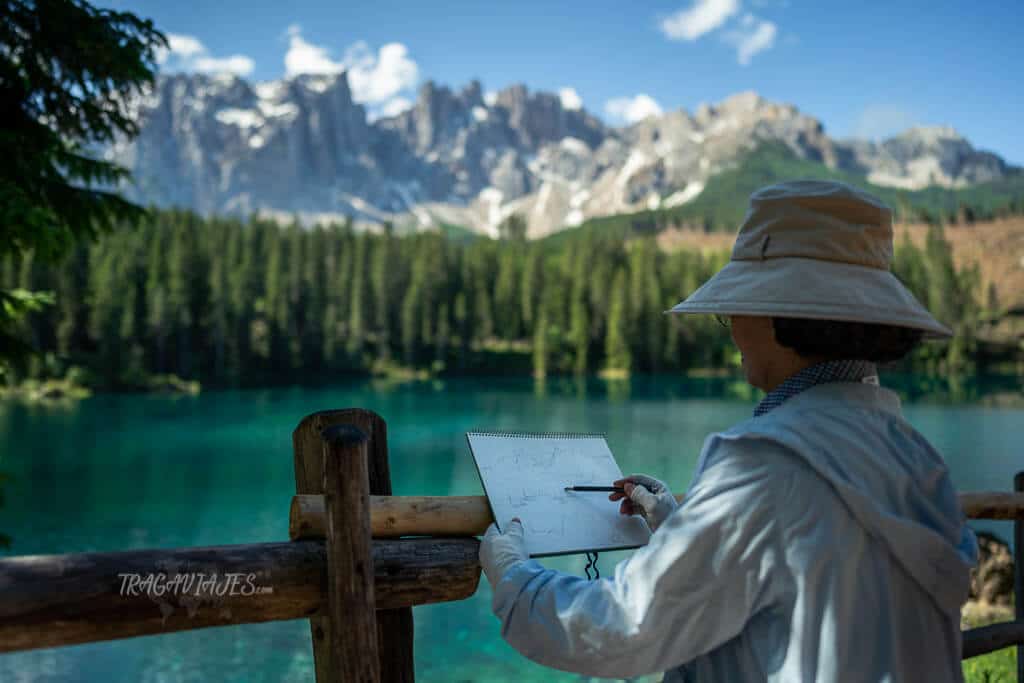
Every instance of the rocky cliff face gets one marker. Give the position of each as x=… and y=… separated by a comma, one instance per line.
x=932, y=155
x=303, y=147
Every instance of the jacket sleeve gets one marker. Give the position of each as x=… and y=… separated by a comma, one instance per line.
x=703, y=574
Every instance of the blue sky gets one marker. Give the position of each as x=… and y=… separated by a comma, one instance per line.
x=862, y=72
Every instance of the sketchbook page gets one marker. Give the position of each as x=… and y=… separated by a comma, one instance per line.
x=525, y=476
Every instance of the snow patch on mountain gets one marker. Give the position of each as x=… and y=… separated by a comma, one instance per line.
x=684, y=195
x=243, y=118
x=633, y=164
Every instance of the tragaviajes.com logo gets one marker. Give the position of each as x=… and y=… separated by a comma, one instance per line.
x=195, y=584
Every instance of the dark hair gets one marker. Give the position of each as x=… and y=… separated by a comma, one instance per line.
x=837, y=339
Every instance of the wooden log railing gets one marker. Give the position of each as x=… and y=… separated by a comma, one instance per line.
x=348, y=568
x=398, y=516
x=51, y=600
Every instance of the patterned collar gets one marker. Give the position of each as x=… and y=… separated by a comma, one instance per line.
x=829, y=371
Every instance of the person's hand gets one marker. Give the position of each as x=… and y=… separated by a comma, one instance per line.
x=499, y=551
x=645, y=496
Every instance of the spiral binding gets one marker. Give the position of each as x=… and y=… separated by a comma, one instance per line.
x=539, y=435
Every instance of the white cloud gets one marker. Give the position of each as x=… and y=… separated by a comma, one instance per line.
x=184, y=46
x=187, y=53
x=306, y=58
x=490, y=97
x=570, y=98
x=752, y=36
x=700, y=18
x=240, y=65
x=632, y=109
x=379, y=80
x=880, y=121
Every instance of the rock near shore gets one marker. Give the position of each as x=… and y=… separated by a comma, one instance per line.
x=992, y=579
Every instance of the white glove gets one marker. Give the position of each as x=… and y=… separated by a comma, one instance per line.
x=650, y=497
x=499, y=551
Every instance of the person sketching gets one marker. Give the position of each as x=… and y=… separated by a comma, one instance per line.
x=821, y=539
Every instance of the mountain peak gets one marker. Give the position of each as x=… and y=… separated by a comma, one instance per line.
x=321, y=82
x=932, y=134
x=742, y=102
x=473, y=94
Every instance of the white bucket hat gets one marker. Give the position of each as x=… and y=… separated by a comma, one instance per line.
x=814, y=249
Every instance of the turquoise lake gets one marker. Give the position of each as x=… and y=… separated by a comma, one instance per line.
x=117, y=472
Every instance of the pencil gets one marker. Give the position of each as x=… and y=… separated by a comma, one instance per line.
x=610, y=489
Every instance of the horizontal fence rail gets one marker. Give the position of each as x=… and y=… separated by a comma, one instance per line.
x=55, y=600
x=985, y=639
x=396, y=516
x=51, y=600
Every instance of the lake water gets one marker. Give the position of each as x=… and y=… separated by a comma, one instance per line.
x=119, y=472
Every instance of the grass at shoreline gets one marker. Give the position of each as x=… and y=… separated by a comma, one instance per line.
x=75, y=386
x=995, y=667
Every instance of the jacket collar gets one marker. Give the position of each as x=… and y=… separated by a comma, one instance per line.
x=858, y=395
x=820, y=373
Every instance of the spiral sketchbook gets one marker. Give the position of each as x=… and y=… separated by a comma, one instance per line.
x=524, y=475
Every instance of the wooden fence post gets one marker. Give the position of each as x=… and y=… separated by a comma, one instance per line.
x=350, y=593
x=1018, y=574
x=394, y=626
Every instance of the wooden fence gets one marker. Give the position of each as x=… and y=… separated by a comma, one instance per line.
x=359, y=559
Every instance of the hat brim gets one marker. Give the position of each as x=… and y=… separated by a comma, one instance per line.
x=812, y=288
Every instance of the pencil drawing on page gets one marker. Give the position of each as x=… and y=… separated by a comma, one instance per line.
x=525, y=475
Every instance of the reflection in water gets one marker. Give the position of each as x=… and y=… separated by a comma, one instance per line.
x=618, y=390
x=1007, y=390
x=120, y=472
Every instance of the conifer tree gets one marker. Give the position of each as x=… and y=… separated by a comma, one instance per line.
x=339, y=277
x=241, y=295
x=383, y=280
x=357, y=297
x=68, y=75
x=579, y=322
x=159, y=315
x=71, y=297
x=133, y=311
x=616, y=347
x=219, y=310
x=483, y=324
x=275, y=301
x=654, y=318
x=541, y=338
x=532, y=283
x=105, y=312
x=507, y=298
x=187, y=292
x=460, y=326
x=443, y=334
x=412, y=312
